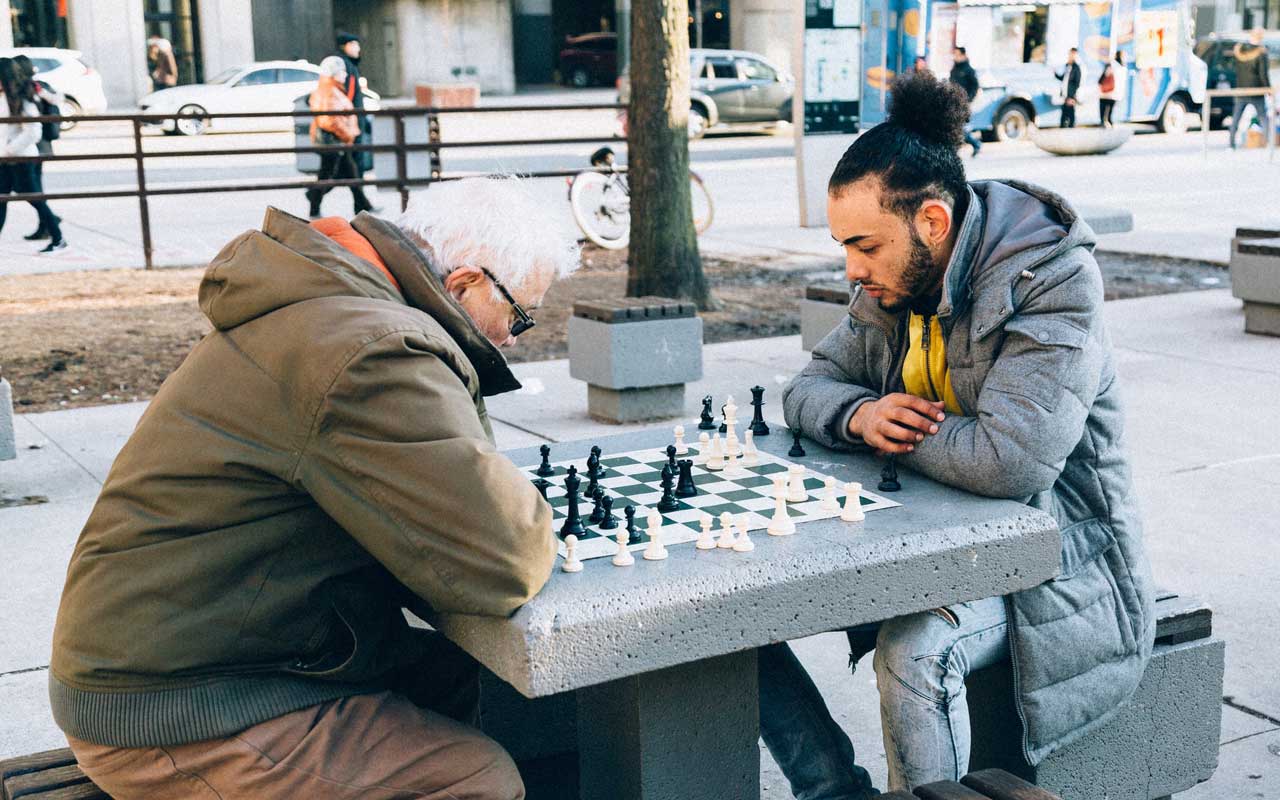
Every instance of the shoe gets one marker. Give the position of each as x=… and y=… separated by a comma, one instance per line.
x=53, y=247
x=40, y=233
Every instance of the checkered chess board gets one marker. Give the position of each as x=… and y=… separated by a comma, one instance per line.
x=635, y=478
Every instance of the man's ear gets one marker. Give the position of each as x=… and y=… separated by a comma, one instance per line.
x=934, y=222
x=462, y=279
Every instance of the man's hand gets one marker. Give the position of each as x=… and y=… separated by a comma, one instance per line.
x=895, y=422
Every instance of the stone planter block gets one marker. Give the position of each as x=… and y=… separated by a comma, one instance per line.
x=823, y=308
x=8, y=449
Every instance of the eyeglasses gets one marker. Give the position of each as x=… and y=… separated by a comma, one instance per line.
x=523, y=321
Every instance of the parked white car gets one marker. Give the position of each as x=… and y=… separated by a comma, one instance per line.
x=262, y=86
x=66, y=72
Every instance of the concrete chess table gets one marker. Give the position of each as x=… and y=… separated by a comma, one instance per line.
x=664, y=653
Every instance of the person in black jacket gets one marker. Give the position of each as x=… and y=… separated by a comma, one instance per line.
x=349, y=49
x=964, y=76
x=1071, y=76
x=1251, y=73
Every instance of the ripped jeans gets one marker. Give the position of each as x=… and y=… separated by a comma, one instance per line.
x=921, y=662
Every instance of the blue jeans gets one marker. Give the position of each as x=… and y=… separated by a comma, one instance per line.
x=921, y=662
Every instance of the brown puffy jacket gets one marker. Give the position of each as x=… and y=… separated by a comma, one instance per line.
x=328, y=96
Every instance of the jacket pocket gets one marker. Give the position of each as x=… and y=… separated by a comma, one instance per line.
x=1083, y=542
x=1049, y=349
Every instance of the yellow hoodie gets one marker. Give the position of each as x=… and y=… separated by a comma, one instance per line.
x=925, y=373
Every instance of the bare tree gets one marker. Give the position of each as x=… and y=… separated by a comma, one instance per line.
x=664, y=245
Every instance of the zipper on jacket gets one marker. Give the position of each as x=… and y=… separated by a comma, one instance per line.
x=925, y=335
x=1017, y=688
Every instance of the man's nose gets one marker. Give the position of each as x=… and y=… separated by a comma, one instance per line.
x=854, y=271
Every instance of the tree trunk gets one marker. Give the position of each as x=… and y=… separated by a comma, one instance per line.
x=664, y=245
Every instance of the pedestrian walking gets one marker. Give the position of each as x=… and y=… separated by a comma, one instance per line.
x=49, y=102
x=349, y=50
x=964, y=76
x=1251, y=73
x=19, y=140
x=331, y=130
x=1071, y=76
x=162, y=64
x=1111, y=88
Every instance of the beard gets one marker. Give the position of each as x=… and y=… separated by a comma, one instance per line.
x=918, y=275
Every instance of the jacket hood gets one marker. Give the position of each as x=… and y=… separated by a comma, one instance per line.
x=290, y=262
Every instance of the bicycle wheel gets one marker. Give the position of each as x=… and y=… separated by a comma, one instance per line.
x=602, y=209
x=703, y=208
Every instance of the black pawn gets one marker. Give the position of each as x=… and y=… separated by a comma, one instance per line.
x=668, y=502
x=686, y=487
x=797, y=449
x=889, y=477
x=708, y=422
x=633, y=535
x=610, y=521
x=597, y=471
x=724, y=424
x=592, y=484
x=597, y=510
x=671, y=459
x=543, y=484
x=758, y=426
x=572, y=520
x=545, y=470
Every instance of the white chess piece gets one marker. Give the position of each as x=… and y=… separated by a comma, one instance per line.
x=743, y=543
x=705, y=540
x=704, y=448
x=715, y=459
x=571, y=562
x=780, y=524
x=623, y=557
x=829, y=500
x=853, y=503
x=654, y=551
x=726, y=531
x=681, y=447
x=796, y=493
x=732, y=469
x=731, y=446
x=750, y=455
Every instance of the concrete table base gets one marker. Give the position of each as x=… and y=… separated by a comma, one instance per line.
x=7, y=448
x=1262, y=318
x=635, y=405
x=682, y=733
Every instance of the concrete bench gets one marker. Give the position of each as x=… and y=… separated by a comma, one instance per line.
x=1255, y=278
x=822, y=308
x=1079, y=141
x=1164, y=741
x=51, y=775
x=635, y=355
x=987, y=784
x=8, y=448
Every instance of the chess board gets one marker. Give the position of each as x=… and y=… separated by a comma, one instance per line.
x=634, y=478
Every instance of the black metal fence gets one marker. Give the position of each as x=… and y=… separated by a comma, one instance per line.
x=399, y=146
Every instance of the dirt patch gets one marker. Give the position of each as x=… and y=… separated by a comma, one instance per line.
x=90, y=338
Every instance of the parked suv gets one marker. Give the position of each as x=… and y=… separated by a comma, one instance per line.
x=1217, y=50
x=590, y=59
x=730, y=89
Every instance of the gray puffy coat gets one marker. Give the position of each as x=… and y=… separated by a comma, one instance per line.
x=1032, y=369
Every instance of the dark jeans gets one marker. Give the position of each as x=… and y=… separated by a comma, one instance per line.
x=337, y=166
x=1105, y=107
x=1068, y=115
x=22, y=179
x=1237, y=110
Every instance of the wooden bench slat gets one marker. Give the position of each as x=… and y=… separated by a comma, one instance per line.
x=1000, y=785
x=35, y=762
x=39, y=784
x=80, y=791
x=897, y=796
x=947, y=790
x=1182, y=619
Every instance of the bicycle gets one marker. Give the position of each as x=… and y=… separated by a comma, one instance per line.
x=601, y=201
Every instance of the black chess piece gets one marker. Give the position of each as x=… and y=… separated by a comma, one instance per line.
x=724, y=421
x=633, y=535
x=593, y=462
x=686, y=487
x=610, y=521
x=708, y=422
x=545, y=470
x=597, y=510
x=671, y=459
x=797, y=449
x=758, y=426
x=543, y=484
x=572, y=520
x=889, y=477
x=668, y=502
x=592, y=484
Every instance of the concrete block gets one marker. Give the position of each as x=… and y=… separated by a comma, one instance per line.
x=635, y=354
x=817, y=319
x=1255, y=270
x=1262, y=318
x=447, y=95
x=8, y=447
x=635, y=405
x=1105, y=219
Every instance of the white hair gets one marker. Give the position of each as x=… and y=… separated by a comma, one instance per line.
x=334, y=67
x=494, y=222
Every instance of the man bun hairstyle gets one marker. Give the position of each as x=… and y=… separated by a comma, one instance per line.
x=913, y=154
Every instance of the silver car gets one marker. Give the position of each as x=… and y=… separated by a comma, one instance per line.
x=731, y=89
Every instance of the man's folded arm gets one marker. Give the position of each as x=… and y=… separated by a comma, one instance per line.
x=823, y=397
x=399, y=458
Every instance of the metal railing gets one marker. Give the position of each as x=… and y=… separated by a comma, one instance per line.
x=399, y=146
x=1269, y=123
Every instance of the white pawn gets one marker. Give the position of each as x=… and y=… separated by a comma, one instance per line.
x=681, y=447
x=623, y=557
x=732, y=469
x=750, y=455
x=704, y=448
x=853, y=503
x=655, y=551
x=829, y=500
x=743, y=543
x=796, y=493
x=726, y=531
x=780, y=524
x=571, y=562
x=715, y=459
x=705, y=540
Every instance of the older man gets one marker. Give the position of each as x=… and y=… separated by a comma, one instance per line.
x=231, y=625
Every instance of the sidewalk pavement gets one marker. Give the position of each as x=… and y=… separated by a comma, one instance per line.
x=1206, y=462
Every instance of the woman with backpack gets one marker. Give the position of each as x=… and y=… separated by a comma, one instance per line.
x=49, y=102
x=18, y=139
x=1111, y=88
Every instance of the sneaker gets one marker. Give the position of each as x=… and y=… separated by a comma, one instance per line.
x=53, y=247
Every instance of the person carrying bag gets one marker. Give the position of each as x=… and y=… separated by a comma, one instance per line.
x=331, y=130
